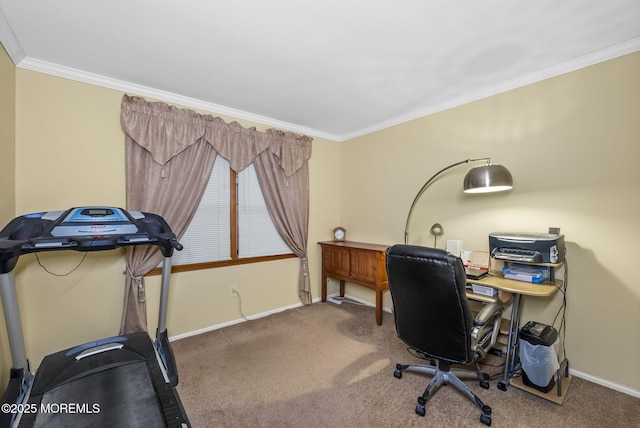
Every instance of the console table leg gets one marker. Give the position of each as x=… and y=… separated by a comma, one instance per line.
x=324, y=288
x=379, y=307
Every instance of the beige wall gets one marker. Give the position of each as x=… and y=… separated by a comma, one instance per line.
x=7, y=177
x=7, y=137
x=572, y=144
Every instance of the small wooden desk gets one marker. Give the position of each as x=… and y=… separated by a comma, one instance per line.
x=357, y=263
x=505, y=288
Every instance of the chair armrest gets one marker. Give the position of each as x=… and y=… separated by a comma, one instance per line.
x=484, y=335
x=487, y=313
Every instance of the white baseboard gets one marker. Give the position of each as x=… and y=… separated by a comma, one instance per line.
x=576, y=373
x=236, y=321
x=605, y=383
x=257, y=316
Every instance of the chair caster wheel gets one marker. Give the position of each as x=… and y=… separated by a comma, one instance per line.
x=420, y=410
x=484, y=380
x=502, y=386
x=485, y=419
x=397, y=374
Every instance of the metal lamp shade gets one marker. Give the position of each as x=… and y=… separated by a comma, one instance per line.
x=487, y=178
x=481, y=179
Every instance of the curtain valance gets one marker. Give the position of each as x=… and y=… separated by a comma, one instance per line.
x=165, y=131
x=291, y=150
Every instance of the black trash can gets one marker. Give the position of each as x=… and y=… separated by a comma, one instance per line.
x=539, y=355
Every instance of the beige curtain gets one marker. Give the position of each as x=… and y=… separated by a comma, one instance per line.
x=169, y=156
x=284, y=180
x=167, y=167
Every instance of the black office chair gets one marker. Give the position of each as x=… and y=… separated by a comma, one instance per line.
x=432, y=317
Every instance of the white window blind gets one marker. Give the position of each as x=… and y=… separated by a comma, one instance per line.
x=207, y=237
x=257, y=236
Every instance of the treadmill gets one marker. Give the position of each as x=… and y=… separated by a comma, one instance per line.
x=125, y=380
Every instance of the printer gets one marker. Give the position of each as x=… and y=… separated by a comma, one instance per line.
x=527, y=247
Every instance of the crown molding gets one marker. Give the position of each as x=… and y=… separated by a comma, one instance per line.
x=17, y=55
x=164, y=96
x=9, y=40
x=592, y=58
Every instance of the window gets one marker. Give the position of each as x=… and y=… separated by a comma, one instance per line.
x=257, y=235
x=231, y=225
x=207, y=237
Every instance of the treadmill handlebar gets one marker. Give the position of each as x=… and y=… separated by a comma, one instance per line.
x=32, y=233
x=175, y=244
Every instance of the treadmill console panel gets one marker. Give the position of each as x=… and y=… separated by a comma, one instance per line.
x=94, y=221
x=83, y=229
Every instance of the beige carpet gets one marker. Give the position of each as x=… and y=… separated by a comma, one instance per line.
x=329, y=365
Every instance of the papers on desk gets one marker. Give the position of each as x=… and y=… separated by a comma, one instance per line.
x=526, y=273
x=475, y=260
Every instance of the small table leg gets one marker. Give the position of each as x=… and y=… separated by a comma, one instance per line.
x=324, y=287
x=379, y=307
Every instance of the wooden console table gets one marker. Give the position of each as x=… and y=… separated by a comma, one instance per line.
x=357, y=263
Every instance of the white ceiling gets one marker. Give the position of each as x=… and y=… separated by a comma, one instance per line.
x=331, y=68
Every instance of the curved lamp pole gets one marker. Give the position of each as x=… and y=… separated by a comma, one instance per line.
x=481, y=179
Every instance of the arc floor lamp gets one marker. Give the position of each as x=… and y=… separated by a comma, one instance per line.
x=480, y=179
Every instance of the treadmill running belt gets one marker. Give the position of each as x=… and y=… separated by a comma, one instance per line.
x=120, y=397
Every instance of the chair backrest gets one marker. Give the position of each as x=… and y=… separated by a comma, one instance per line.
x=431, y=312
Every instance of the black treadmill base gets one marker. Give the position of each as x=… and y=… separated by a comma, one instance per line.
x=116, y=387
x=117, y=397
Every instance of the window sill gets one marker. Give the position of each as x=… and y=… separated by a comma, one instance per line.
x=221, y=263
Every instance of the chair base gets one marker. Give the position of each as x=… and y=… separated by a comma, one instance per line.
x=446, y=375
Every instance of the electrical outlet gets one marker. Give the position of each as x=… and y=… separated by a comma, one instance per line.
x=233, y=292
